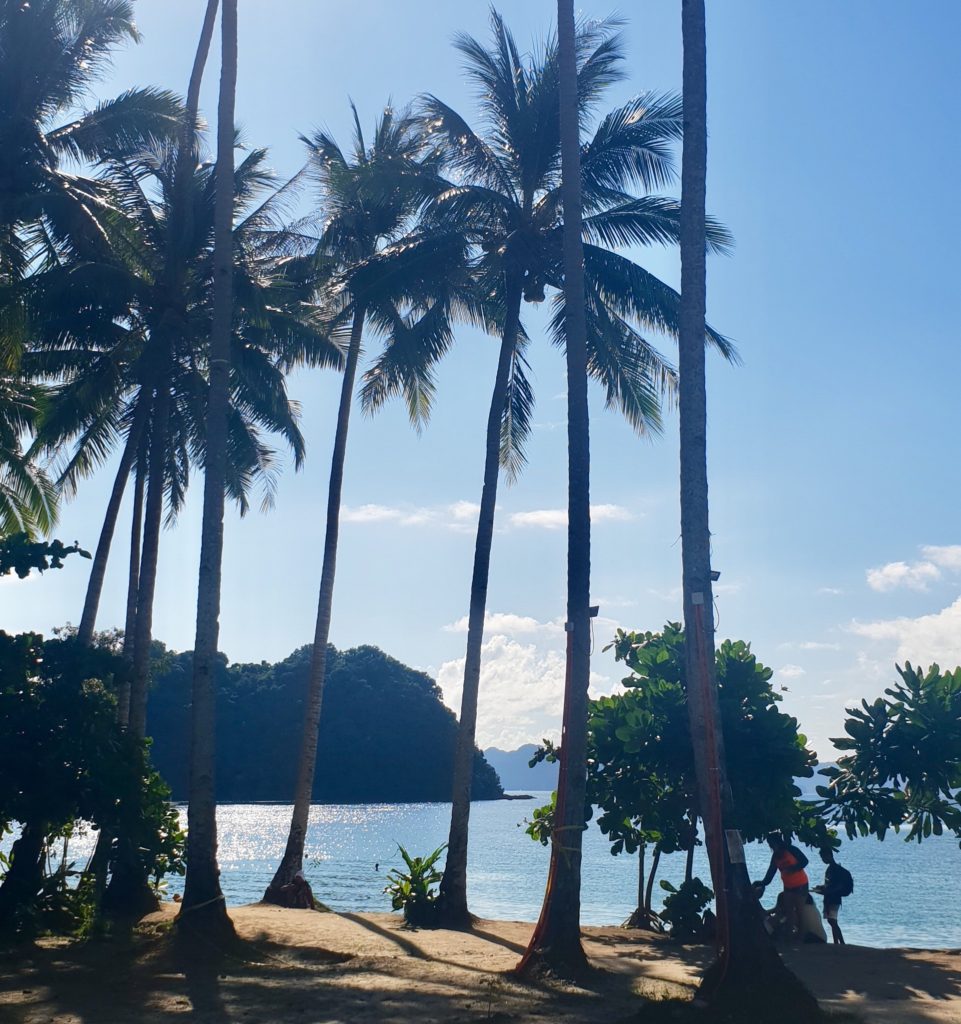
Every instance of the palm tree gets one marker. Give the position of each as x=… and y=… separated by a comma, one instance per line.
x=28, y=500
x=125, y=376
x=203, y=900
x=373, y=264
x=50, y=53
x=748, y=974
x=506, y=200
x=556, y=943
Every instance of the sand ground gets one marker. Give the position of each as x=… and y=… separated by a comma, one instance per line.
x=315, y=968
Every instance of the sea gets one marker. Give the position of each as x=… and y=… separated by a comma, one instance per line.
x=905, y=894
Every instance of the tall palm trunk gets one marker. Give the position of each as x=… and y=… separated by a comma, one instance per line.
x=452, y=908
x=556, y=942
x=293, y=859
x=153, y=523
x=133, y=586
x=748, y=974
x=128, y=891
x=203, y=912
x=98, y=570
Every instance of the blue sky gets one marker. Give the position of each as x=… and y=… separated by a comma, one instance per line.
x=834, y=158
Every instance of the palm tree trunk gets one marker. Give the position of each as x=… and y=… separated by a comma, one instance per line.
x=293, y=859
x=153, y=522
x=100, y=861
x=133, y=586
x=452, y=908
x=98, y=570
x=556, y=942
x=748, y=976
x=128, y=892
x=203, y=913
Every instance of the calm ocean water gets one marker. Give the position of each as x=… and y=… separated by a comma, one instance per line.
x=903, y=893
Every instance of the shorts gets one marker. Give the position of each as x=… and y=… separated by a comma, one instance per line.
x=831, y=911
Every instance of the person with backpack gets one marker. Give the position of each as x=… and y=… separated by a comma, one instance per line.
x=838, y=883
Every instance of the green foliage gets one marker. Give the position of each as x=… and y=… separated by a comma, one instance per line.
x=65, y=760
x=642, y=761
x=413, y=890
x=902, y=768
x=540, y=825
x=385, y=734
x=683, y=908
x=20, y=554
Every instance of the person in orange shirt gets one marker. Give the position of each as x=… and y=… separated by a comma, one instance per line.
x=790, y=862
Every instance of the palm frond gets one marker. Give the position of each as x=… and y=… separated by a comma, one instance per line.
x=639, y=297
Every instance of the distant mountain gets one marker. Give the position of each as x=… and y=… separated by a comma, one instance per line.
x=515, y=773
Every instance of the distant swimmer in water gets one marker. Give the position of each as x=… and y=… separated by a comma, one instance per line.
x=377, y=867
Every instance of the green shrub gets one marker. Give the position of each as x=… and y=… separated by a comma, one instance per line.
x=412, y=890
x=683, y=908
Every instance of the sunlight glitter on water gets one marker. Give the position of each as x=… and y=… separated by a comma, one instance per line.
x=901, y=895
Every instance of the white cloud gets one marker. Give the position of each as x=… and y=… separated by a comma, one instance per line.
x=832, y=591
x=521, y=692
x=556, y=518
x=791, y=672
x=922, y=640
x=915, y=576
x=505, y=623
x=544, y=518
x=464, y=511
x=460, y=515
x=369, y=514
x=948, y=557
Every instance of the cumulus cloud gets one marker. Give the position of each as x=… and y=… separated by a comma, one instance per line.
x=521, y=692
x=948, y=556
x=921, y=640
x=506, y=623
x=915, y=576
x=556, y=518
x=935, y=559
x=791, y=672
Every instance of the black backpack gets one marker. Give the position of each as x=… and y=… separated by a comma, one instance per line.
x=842, y=881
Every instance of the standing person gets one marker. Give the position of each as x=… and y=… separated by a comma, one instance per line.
x=791, y=862
x=838, y=883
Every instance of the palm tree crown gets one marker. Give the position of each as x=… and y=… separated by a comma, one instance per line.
x=50, y=52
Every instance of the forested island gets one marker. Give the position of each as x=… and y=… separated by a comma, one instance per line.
x=385, y=735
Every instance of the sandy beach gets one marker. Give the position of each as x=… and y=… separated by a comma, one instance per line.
x=302, y=966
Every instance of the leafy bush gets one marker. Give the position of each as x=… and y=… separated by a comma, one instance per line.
x=65, y=760
x=683, y=908
x=411, y=890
